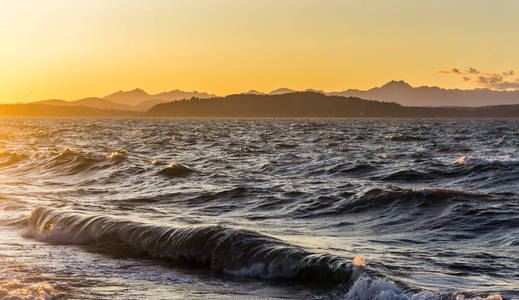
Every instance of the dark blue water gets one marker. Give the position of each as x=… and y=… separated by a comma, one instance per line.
x=320, y=209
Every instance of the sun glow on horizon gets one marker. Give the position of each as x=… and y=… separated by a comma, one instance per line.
x=72, y=49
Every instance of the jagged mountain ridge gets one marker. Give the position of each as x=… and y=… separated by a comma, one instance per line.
x=138, y=96
x=291, y=105
x=403, y=93
x=317, y=105
x=394, y=91
x=134, y=100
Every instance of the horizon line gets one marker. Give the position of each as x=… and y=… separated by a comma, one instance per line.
x=213, y=95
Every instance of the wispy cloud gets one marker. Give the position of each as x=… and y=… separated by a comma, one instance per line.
x=509, y=73
x=450, y=71
x=494, y=81
x=443, y=71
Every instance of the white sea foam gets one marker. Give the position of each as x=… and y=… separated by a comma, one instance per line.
x=18, y=290
x=474, y=161
x=249, y=271
x=68, y=150
x=367, y=288
x=448, y=191
x=118, y=155
x=489, y=297
x=55, y=235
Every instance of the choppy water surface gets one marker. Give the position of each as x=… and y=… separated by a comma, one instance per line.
x=346, y=209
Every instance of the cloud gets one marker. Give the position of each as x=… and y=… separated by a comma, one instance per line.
x=493, y=81
x=507, y=85
x=489, y=78
x=443, y=71
x=497, y=81
x=509, y=73
x=450, y=71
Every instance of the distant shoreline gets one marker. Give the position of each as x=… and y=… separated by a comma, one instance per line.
x=302, y=105
x=248, y=118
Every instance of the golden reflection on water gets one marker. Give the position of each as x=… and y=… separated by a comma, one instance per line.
x=18, y=282
x=9, y=132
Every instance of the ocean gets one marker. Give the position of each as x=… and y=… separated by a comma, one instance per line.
x=255, y=209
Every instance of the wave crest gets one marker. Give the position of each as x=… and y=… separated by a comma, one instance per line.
x=176, y=170
x=389, y=198
x=233, y=251
x=10, y=158
x=474, y=161
x=404, y=138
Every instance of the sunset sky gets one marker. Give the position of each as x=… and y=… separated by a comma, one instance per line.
x=72, y=49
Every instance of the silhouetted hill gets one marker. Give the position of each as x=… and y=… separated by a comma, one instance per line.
x=46, y=110
x=398, y=92
x=302, y=104
x=93, y=102
x=316, y=105
x=293, y=105
x=102, y=104
x=494, y=111
x=134, y=100
x=402, y=93
x=146, y=105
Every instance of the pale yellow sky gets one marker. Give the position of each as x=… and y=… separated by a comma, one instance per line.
x=71, y=49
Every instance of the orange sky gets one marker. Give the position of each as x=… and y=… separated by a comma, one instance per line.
x=72, y=49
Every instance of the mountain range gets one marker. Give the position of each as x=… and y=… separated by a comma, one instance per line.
x=394, y=91
x=402, y=93
x=285, y=105
x=310, y=104
x=134, y=100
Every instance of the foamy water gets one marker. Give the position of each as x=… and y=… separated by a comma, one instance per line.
x=341, y=209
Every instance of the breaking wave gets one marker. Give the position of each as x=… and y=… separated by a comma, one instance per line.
x=432, y=204
x=233, y=251
x=237, y=252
